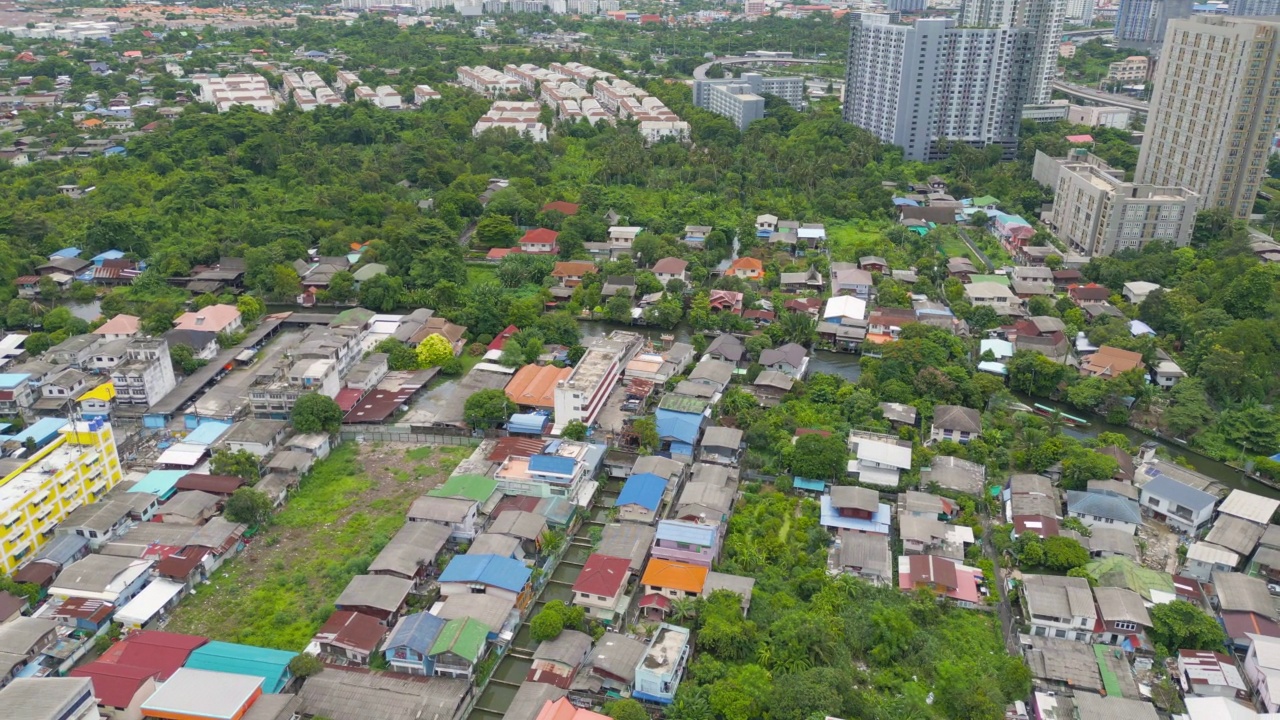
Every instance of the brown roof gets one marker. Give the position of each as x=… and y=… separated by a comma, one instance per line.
x=1110, y=361
x=1091, y=291
x=671, y=265
x=535, y=385
x=573, y=268
x=10, y=604
x=36, y=573
x=518, y=446
x=936, y=570
x=439, y=326
x=216, y=484
x=179, y=565
x=354, y=630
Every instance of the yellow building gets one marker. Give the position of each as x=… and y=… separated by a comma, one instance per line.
x=77, y=467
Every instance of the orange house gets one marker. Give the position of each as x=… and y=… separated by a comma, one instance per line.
x=668, y=580
x=747, y=268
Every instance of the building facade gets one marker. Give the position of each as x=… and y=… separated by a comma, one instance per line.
x=77, y=467
x=1041, y=18
x=1098, y=214
x=1214, y=111
x=739, y=99
x=1141, y=23
x=919, y=85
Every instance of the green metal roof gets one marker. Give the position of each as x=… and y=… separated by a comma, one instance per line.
x=470, y=487
x=1110, y=681
x=683, y=404
x=464, y=637
x=984, y=201
x=270, y=665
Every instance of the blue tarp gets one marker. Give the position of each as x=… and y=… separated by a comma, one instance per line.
x=645, y=490
x=683, y=427
x=551, y=464
x=494, y=570
x=900, y=201
x=879, y=523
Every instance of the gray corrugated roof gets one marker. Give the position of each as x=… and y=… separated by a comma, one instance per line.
x=340, y=693
x=1104, y=506
x=42, y=698
x=1235, y=534
x=1058, y=596
x=617, y=655
x=570, y=647
x=1119, y=604
x=1166, y=488
x=415, y=542
x=1237, y=591
x=867, y=551
x=376, y=591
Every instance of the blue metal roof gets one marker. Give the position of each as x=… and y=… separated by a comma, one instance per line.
x=682, y=531
x=901, y=201
x=494, y=570
x=418, y=632
x=13, y=380
x=62, y=549
x=807, y=484
x=528, y=423
x=645, y=490
x=108, y=255
x=68, y=252
x=207, y=433
x=270, y=665
x=551, y=464
x=42, y=431
x=1166, y=488
x=678, y=426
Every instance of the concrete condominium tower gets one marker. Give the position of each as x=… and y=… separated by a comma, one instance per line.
x=914, y=85
x=1141, y=23
x=1214, y=110
x=1042, y=18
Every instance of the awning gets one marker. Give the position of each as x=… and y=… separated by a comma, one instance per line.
x=658, y=601
x=143, y=607
x=182, y=455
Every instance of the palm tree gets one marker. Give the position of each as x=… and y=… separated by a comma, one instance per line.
x=684, y=609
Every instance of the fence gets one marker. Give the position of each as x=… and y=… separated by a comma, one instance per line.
x=382, y=433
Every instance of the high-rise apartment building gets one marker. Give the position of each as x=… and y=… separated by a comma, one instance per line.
x=1097, y=213
x=1141, y=23
x=1041, y=18
x=917, y=85
x=76, y=466
x=1254, y=7
x=906, y=6
x=1080, y=12
x=1214, y=110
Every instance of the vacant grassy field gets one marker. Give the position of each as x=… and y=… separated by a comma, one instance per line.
x=280, y=590
x=851, y=240
x=955, y=247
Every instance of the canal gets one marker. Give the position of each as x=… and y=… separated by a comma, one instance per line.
x=501, y=689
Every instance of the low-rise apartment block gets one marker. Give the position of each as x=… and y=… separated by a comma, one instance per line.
x=77, y=466
x=739, y=99
x=236, y=89
x=1097, y=213
x=487, y=81
x=521, y=116
x=146, y=375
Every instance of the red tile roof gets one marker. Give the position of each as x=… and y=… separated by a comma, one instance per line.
x=115, y=685
x=348, y=397
x=501, y=339
x=499, y=253
x=602, y=575
x=166, y=652
x=518, y=446
x=179, y=567
x=540, y=236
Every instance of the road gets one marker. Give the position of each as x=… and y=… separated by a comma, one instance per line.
x=700, y=72
x=1102, y=98
x=1004, y=608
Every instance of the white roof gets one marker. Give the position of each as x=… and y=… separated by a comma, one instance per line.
x=1267, y=650
x=184, y=454
x=1141, y=287
x=146, y=604
x=1210, y=553
x=818, y=233
x=999, y=348
x=845, y=306
x=1254, y=508
x=957, y=534
x=884, y=453
x=874, y=475
x=1219, y=708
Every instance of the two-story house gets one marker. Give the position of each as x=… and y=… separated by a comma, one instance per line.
x=540, y=241
x=1180, y=506
x=601, y=588
x=350, y=638
x=695, y=543
x=696, y=235
x=747, y=268
x=1122, y=614
x=1059, y=606
x=1104, y=510
x=666, y=581
x=726, y=348
x=849, y=279
x=408, y=647
x=955, y=422
x=501, y=577
x=992, y=295
x=790, y=359
x=621, y=239
x=671, y=268
x=641, y=498
x=940, y=576
x=459, y=648
x=659, y=672
x=569, y=274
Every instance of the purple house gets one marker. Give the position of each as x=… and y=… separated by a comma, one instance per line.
x=690, y=542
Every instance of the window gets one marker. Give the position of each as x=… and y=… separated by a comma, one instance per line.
x=1126, y=626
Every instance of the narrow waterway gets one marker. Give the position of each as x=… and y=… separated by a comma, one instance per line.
x=514, y=666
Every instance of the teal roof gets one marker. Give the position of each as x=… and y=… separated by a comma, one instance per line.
x=159, y=482
x=270, y=665
x=464, y=637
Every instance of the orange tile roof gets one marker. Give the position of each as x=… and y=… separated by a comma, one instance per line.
x=535, y=385
x=562, y=709
x=675, y=576
x=573, y=268
x=747, y=263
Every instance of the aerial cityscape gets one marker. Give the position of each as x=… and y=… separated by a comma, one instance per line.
x=640, y=359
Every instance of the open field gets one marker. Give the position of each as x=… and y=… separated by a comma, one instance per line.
x=280, y=590
x=955, y=247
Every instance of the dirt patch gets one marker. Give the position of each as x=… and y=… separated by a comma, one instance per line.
x=281, y=588
x=1158, y=546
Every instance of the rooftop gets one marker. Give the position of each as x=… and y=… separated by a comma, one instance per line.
x=204, y=694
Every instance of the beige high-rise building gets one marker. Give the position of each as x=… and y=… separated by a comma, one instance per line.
x=1214, y=110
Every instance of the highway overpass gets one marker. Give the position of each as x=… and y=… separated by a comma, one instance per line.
x=1078, y=92
x=700, y=72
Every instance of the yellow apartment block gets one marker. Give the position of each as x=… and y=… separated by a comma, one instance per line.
x=77, y=467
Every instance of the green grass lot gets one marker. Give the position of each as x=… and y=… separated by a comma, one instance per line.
x=851, y=240
x=281, y=589
x=955, y=247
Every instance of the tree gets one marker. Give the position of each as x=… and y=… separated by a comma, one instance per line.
x=1063, y=553
x=554, y=617
x=574, y=430
x=646, y=429
x=819, y=458
x=496, y=231
x=433, y=351
x=248, y=506
x=239, y=463
x=399, y=356
x=1179, y=625
x=487, y=409
x=1081, y=467
x=250, y=307
x=381, y=293
x=316, y=413
x=184, y=359
x=618, y=308
x=304, y=665
x=625, y=709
